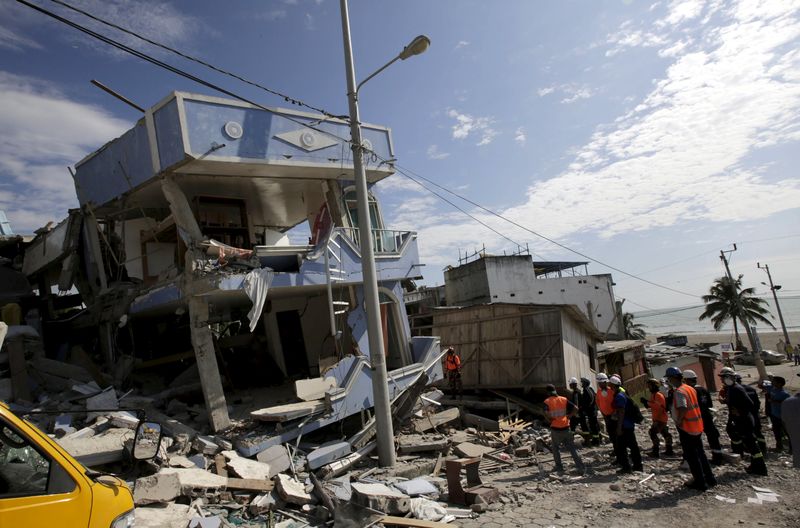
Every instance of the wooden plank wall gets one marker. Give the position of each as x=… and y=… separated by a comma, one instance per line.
x=504, y=345
x=576, y=351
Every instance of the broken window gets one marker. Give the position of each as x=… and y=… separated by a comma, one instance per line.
x=224, y=220
x=24, y=471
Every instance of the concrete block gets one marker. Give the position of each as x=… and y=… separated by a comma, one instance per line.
x=313, y=389
x=104, y=400
x=436, y=420
x=292, y=491
x=408, y=444
x=340, y=488
x=163, y=516
x=416, y=487
x=199, y=461
x=266, y=502
x=124, y=419
x=328, y=453
x=196, y=478
x=470, y=450
x=104, y=448
x=277, y=458
x=380, y=497
x=181, y=461
x=205, y=445
x=246, y=468
x=160, y=487
x=205, y=522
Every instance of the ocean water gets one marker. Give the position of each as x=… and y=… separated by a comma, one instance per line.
x=684, y=320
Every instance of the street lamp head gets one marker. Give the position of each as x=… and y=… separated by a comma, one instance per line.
x=777, y=287
x=417, y=46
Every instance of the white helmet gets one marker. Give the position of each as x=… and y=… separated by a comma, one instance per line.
x=614, y=380
x=601, y=377
x=689, y=374
x=573, y=380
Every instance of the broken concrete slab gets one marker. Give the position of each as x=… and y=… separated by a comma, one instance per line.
x=380, y=497
x=196, y=478
x=199, y=460
x=86, y=432
x=181, y=461
x=168, y=516
x=105, y=400
x=161, y=487
x=246, y=468
x=435, y=420
x=291, y=411
x=124, y=419
x=313, y=389
x=334, y=469
x=292, y=491
x=259, y=485
x=415, y=443
x=328, y=453
x=205, y=445
x=205, y=522
x=265, y=502
x=277, y=458
x=103, y=448
x=470, y=450
x=416, y=487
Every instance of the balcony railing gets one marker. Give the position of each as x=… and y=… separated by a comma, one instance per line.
x=384, y=241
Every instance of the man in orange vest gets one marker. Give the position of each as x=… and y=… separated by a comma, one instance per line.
x=605, y=402
x=658, y=408
x=559, y=410
x=452, y=364
x=689, y=420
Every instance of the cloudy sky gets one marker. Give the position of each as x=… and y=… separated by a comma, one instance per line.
x=646, y=135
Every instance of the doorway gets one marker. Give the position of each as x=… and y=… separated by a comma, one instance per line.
x=290, y=329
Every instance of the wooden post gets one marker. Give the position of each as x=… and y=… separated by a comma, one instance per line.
x=210, y=380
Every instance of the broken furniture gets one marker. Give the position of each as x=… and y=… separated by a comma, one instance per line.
x=475, y=487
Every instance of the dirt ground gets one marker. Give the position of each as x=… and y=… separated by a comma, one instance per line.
x=537, y=498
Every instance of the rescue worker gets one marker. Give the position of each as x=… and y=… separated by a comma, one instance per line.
x=737, y=444
x=709, y=428
x=452, y=364
x=605, y=402
x=588, y=410
x=658, y=409
x=625, y=433
x=777, y=396
x=742, y=409
x=753, y=395
x=689, y=421
x=575, y=399
x=559, y=410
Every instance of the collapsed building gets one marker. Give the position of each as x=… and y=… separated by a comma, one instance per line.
x=218, y=232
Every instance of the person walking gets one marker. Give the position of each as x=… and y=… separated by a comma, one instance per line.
x=689, y=422
x=625, y=432
x=706, y=404
x=797, y=355
x=790, y=418
x=559, y=410
x=753, y=395
x=575, y=400
x=588, y=410
x=452, y=364
x=658, y=409
x=741, y=410
x=777, y=396
x=605, y=402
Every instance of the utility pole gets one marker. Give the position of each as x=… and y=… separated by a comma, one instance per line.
x=762, y=371
x=774, y=289
x=380, y=384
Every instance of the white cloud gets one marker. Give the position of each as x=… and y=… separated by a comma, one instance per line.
x=576, y=93
x=546, y=91
x=627, y=38
x=462, y=44
x=436, y=154
x=11, y=40
x=44, y=133
x=681, y=11
x=274, y=14
x=519, y=136
x=467, y=125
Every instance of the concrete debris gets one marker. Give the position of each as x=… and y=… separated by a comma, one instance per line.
x=161, y=487
x=246, y=468
x=292, y=491
x=103, y=448
x=439, y=419
x=416, y=487
x=167, y=516
x=196, y=478
x=328, y=453
x=313, y=389
x=470, y=450
x=205, y=522
x=416, y=443
x=105, y=400
x=380, y=497
x=205, y=445
x=277, y=458
x=181, y=461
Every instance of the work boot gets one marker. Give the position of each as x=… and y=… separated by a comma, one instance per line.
x=757, y=467
x=653, y=453
x=716, y=458
x=669, y=452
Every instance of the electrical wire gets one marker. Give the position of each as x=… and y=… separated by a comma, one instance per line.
x=217, y=69
x=174, y=69
x=407, y=173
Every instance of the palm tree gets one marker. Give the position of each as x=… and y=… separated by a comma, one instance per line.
x=633, y=330
x=726, y=300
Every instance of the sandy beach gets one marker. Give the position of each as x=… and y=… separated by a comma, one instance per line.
x=768, y=339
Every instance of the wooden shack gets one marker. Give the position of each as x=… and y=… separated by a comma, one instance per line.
x=627, y=359
x=519, y=346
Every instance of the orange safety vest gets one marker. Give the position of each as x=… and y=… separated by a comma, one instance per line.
x=452, y=362
x=557, y=409
x=605, y=401
x=693, y=419
x=658, y=407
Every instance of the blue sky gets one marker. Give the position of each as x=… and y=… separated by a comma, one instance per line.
x=648, y=135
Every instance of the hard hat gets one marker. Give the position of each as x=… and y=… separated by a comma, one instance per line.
x=573, y=380
x=585, y=380
x=614, y=380
x=601, y=377
x=674, y=372
x=726, y=371
x=689, y=374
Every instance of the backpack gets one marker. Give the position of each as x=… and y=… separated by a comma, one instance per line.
x=632, y=411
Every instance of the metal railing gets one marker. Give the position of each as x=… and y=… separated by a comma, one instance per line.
x=383, y=240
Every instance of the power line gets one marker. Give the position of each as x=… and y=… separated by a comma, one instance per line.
x=405, y=172
x=285, y=97
x=174, y=69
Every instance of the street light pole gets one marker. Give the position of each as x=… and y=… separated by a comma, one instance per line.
x=774, y=289
x=380, y=386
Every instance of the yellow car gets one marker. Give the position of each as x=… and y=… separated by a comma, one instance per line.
x=42, y=485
